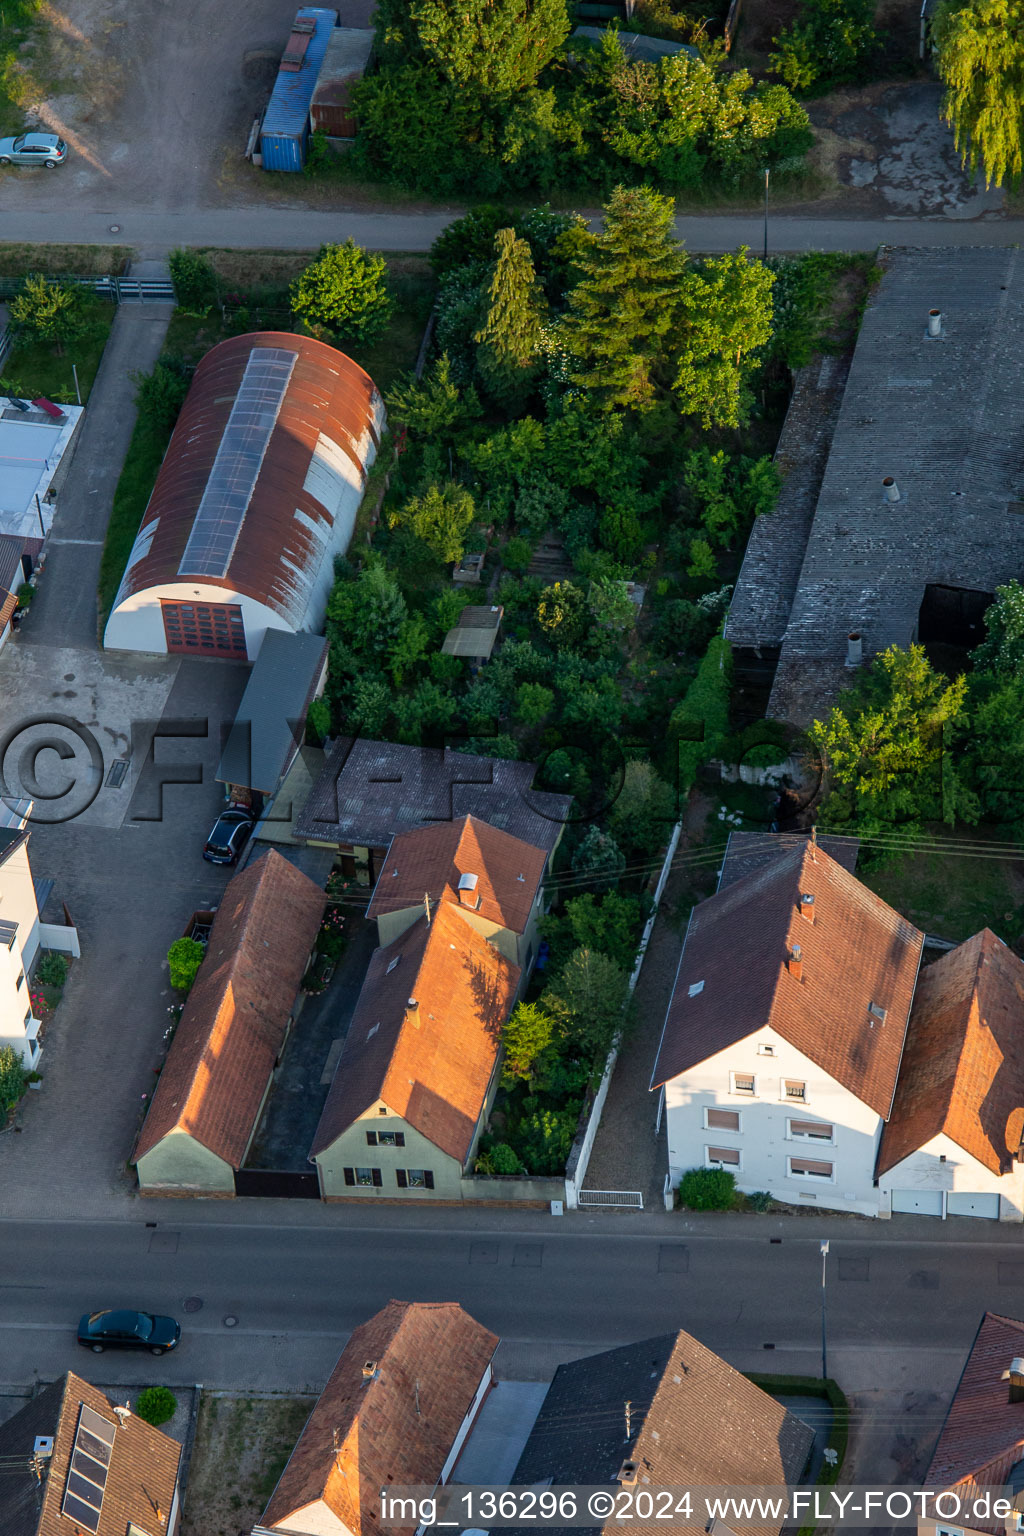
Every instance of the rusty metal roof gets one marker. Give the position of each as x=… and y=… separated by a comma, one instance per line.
x=283, y=529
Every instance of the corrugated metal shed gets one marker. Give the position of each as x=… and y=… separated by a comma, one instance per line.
x=268, y=728
x=286, y=121
x=348, y=53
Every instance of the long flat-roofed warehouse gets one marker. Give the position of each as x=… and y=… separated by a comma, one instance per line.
x=920, y=514
x=257, y=495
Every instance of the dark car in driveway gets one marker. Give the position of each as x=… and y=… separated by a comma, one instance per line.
x=128, y=1330
x=229, y=836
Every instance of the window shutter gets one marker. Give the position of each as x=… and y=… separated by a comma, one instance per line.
x=371, y=1138
x=399, y=1138
x=377, y=1178
x=428, y=1178
x=350, y=1175
x=400, y=1176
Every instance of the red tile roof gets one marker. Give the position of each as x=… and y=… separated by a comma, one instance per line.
x=856, y=951
x=963, y=1067
x=983, y=1433
x=234, y=1023
x=431, y=1065
x=397, y=1426
x=432, y=860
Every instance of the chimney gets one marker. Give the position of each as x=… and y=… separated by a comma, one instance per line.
x=627, y=1474
x=891, y=489
x=796, y=963
x=412, y=1004
x=807, y=906
x=854, y=648
x=369, y=1370
x=935, y=322
x=1015, y=1377
x=467, y=891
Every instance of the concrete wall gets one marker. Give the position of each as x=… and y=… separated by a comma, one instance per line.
x=958, y=1173
x=512, y=1189
x=764, y=1139
x=179, y=1165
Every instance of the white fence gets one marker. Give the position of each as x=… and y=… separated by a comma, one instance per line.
x=579, y=1156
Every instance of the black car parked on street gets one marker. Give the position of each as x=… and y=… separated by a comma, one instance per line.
x=128, y=1330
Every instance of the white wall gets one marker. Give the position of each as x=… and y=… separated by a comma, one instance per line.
x=136, y=624
x=18, y=905
x=763, y=1140
x=925, y=1169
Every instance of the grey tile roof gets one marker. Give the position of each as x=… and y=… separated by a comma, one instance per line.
x=21, y=1496
x=694, y=1421
x=747, y=851
x=369, y=791
x=11, y=549
x=943, y=418
x=271, y=716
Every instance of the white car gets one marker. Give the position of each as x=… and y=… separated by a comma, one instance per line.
x=34, y=149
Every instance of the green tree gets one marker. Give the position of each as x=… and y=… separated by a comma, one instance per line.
x=610, y=925
x=433, y=407
x=725, y=316
x=184, y=958
x=587, y=1000
x=49, y=309
x=409, y=647
x=700, y=722
x=884, y=746
x=370, y=708
x=534, y=703
x=610, y=604
x=1002, y=649
x=366, y=615
x=623, y=312
x=194, y=280
x=156, y=1405
x=562, y=613
x=981, y=64
x=12, y=1079
x=526, y=1035
x=508, y=340
x=833, y=42
x=545, y=1140
x=343, y=294
x=441, y=517
x=988, y=752
x=703, y=566
x=490, y=49
x=599, y=859
x=644, y=810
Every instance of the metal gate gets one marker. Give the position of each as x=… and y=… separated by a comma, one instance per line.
x=132, y=290
x=277, y=1184
x=629, y=1197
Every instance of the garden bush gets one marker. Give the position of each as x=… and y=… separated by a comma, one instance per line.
x=52, y=970
x=707, y=1189
x=195, y=282
x=156, y=1405
x=12, y=1078
x=184, y=958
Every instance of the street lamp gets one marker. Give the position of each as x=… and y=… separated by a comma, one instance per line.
x=767, y=173
x=824, y=1357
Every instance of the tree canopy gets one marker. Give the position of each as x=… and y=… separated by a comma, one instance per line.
x=343, y=293
x=981, y=64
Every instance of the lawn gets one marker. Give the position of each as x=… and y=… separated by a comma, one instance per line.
x=36, y=368
x=241, y=1447
x=64, y=260
x=954, y=894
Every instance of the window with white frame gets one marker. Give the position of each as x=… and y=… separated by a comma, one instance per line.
x=792, y=1089
x=766, y=1049
x=722, y=1157
x=810, y=1168
x=743, y=1082
x=721, y=1119
x=810, y=1130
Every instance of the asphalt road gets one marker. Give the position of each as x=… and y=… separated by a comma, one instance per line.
x=153, y=234
x=551, y=1292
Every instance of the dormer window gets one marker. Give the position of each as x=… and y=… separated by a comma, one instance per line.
x=877, y=1011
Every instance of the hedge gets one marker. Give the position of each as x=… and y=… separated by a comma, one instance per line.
x=706, y=704
x=814, y=1386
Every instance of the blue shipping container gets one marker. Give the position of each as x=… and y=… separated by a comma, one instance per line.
x=285, y=128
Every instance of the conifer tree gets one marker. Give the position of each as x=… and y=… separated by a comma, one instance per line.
x=623, y=312
x=508, y=340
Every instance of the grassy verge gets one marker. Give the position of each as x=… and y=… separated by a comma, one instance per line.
x=35, y=368
x=64, y=260
x=145, y=455
x=242, y=1445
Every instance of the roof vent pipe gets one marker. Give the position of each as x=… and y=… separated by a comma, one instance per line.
x=935, y=322
x=854, y=648
x=796, y=963
x=1015, y=1377
x=891, y=489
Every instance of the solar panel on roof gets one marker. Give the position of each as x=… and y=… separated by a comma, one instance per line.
x=239, y=460
x=87, y=1474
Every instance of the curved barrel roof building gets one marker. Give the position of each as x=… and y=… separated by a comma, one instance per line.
x=256, y=496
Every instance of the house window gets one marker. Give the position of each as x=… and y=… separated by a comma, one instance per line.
x=20, y=981
x=414, y=1178
x=793, y=1090
x=382, y=1110
x=877, y=1011
x=385, y=1138
x=743, y=1082
x=766, y=1050
x=807, y=1168
x=811, y=1130
x=722, y=1157
x=364, y=1177
x=721, y=1119
x=28, y=1018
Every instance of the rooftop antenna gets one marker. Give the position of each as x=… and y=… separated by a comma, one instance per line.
x=628, y=1422
x=416, y=1390
x=426, y=904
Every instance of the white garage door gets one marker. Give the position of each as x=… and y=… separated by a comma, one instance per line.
x=973, y=1205
x=917, y=1202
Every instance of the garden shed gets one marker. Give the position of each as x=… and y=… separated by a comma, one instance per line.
x=348, y=54
x=285, y=130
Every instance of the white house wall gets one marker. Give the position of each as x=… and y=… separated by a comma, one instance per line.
x=18, y=905
x=959, y=1173
x=763, y=1141
x=137, y=623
